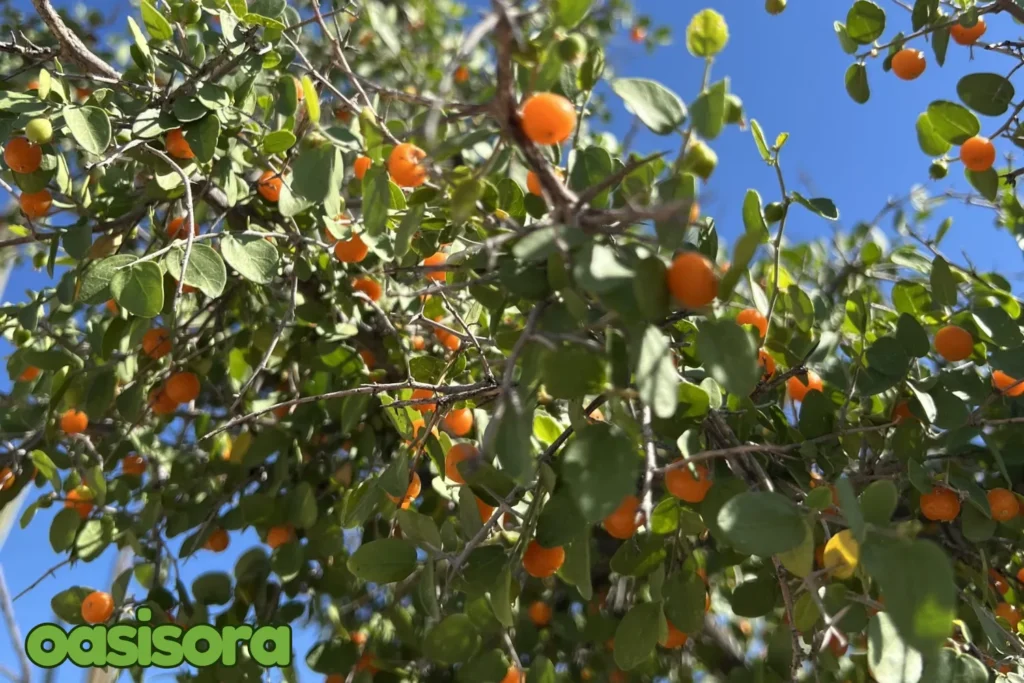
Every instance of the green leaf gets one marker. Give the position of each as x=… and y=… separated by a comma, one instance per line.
x=572, y=371
x=917, y=582
x=311, y=98
x=46, y=467
x=851, y=508
x=685, y=597
x=638, y=634
x=944, y=290
x=600, y=466
x=561, y=520
x=887, y=356
x=754, y=598
x=878, y=502
x=159, y=28
x=576, y=568
x=985, y=182
x=419, y=529
x=253, y=257
x=890, y=658
x=92, y=540
x=67, y=604
x=278, y=141
x=977, y=527
x=953, y=667
x=762, y=146
x=464, y=198
x=729, y=355
x=571, y=12
x=376, y=199
x=865, y=22
x=857, y=83
x=139, y=289
x=823, y=206
x=202, y=136
x=90, y=127
x=212, y=588
x=63, y=529
x=383, y=561
x=541, y=671
x=986, y=93
x=456, y=639
x=76, y=240
x=953, y=122
x=706, y=34
x=928, y=139
x=912, y=336
x=205, y=270
x=302, y=506
x=940, y=42
x=753, y=216
x=656, y=377
x=743, y=253
x=501, y=598
x=799, y=560
x=708, y=111
x=656, y=106
x=760, y=523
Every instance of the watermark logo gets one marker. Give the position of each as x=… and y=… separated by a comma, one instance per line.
x=165, y=646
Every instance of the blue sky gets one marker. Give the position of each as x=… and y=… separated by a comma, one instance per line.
x=789, y=72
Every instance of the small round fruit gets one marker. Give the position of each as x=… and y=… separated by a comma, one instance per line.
x=798, y=389
x=548, y=119
x=700, y=159
x=692, y=280
x=1003, y=503
x=412, y=492
x=540, y=613
x=29, y=374
x=968, y=36
x=352, y=250
x=751, y=316
x=1010, y=613
x=1006, y=384
x=73, y=421
x=134, y=465
x=182, y=387
x=369, y=360
x=405, y=167
x=485, y=511
x=533, y=182
x=675, y=638
x=7, y=478
x=842, y=554
x=368, y=286
x=541, y=562
x=462, y=74
x=436, y=259
x=161, y=403
x=176, y=229
x=622, y=522
x=901, y=411
x=269, y=186
x=39, y=131
x=280, y=534
x=217, y=541
x=458, y=453
x=35, y=204
x=978, y=154
x=22, y=155
x=938, y=170
x=686, y=485
x=421, y=394
x=775, y=7
x=941, y=505
x=459, y=421
x=361, y=166
x=98, y=607
x=954, y=343
x=908, y=64
x=80, y=500
x=774, y=212
x=177, y=146
x=767, y=364
x=638, y=34
x=513, y=675
x=156, y=343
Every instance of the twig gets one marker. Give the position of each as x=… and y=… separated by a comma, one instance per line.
x=285, y=322
x=646, y=500
x=71, y=47
x=472, y=338
x=13, y=631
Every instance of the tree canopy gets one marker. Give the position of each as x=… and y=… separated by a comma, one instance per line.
x=324, y=281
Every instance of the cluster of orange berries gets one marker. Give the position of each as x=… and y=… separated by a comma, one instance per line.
x=955, y=344
x=943, y=504
x=24, y=156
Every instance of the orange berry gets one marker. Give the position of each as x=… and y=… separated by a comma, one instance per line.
x=1005, y=383
x=456, y=454
x=1020, y=574
x=417, y=342
x=767, y=364
x=999, y=582
x=156, y=343
x=692, y=280
x=541, y=562
x=423, y=407
x=269, y=186
x=682, y=484
x=533, y=182
x=540, y=613
x=22, y=155
x=177, y=146
x=35, y=204
x=111, y=306
x=797, y=389
x=32, y=85
x=908, y=64
x=412, y=492
x=1004, y=504
x=28, y=374
x=7, y=478
x=300, y=93
x=486, y=511
x=941, y=505
x=436, y=259
x=352, y=250
x=404, y=165
x=462, y=74
x=448, y=340
x=176, y=229
x=361, y=166
x=637, y=35
x=954, y=343
x=217, y=541
x=73, y=421
x=751, y=316
x=978, y=154
x=80, y=500
x=968, y=36
x=902, y=412
x=1010, y=613
x=622, y=522
x=98, y=607
x=459, y=421
x=280, y=534
x=182, y=387
x=675, y=639
x=134, y=465
x=161, y=403
x=368, y=358
x=369, y=287
x=548, y=119
x=514, y=675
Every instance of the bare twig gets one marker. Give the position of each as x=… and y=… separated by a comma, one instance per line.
x=71, y=47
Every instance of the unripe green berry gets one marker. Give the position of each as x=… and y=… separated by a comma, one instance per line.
x=39, y=131
x=774, y=212
x=775, y=7
x=938, y=170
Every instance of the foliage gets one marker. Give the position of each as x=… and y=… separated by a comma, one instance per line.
x=335, y=325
